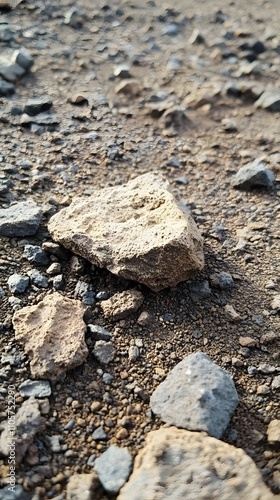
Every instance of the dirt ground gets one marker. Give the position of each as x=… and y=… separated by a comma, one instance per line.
x=111, y=137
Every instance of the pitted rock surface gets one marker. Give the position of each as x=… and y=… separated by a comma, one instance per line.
x=138, y=231
x=53, y=335
x=197, y=395
x=180, y=464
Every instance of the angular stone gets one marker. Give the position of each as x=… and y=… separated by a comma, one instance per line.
x=254, y=174
x=36, y=388
x=21, y=219
x=138, y=231
x=196, y=395
x=84, y=487
x=18, y=283
x=28, y=422
x=113, y=468
x=36, y=105
x=6, y=89
x=273, y=432
x=52, y=333
x=179, y=464
x=122, y=304
x=269, y=100
x=104, y=351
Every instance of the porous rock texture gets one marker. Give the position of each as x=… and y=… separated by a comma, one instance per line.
x=180, y=464
x=53, y=335
x=138, y=231
x=196, y=395
x=122, y=304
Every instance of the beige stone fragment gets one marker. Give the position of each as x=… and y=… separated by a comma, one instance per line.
x=84, y=487
x=138, y=231
x=53, y=335
x=180, y=464
x=273, y=432
x=247, y=341
x=122, y=304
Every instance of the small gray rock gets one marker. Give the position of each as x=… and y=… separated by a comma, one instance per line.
x=85, y=292
x=6, y=88
x=54, y=442
x=17, y=493
x=200, y=291
x=23, y=59
x=171, y=29
x=28, y=422
x=35, y=255
x=2, y=292
x=38, y=279
x=133, y=353
x=104, y=351
x=252, y=175
x=99, y=333
x=18, y=283
x=113, y=467
x=11, y=71
x=21, y=219
x=36, y=388
x=221, y=280
x=196, y=395
x=37, y=105
x=58, y=282
x=99, y=434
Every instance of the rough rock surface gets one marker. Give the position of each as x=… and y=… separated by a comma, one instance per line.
x=28, y=422
x=113, y=467
x=252, y=175
x=138, y=231
x=122, y=304
x=196, y=395
x=52, y=333
x=273, y=432
x=21, y=219
x=180, y=464
x=83, y=487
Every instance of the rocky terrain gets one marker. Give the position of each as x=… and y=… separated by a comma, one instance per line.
x=139, y=250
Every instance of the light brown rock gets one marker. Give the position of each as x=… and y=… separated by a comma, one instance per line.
x=180, y=464
x=122, y=304
x=84, y=487
x=273, y=432
x=138, y=231
x=53, y=335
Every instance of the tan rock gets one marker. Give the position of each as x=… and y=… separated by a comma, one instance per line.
x=130, y=87
x=138, y=231
x=181, y=464
x=122, y=304
x=52, y=333
x=84, y=487
x=273, y=432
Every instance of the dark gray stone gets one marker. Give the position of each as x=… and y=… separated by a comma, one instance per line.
x=21, y=219
x=6, y=88
x=99, y=434
x=85, y=292
x=38, y=279
x=113, y=467
x=36, y=388
x=18, y=283
x=196, y=395
x=252, y=175
x=99, y=333
x=200, y=291
x=221, y=280
x=37, y=105
x=35, y=255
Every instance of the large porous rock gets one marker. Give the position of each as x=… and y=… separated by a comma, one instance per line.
x=19, y=431
x=138, y=231
x=179, y=464
x=53, y=335
x=197, y=395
